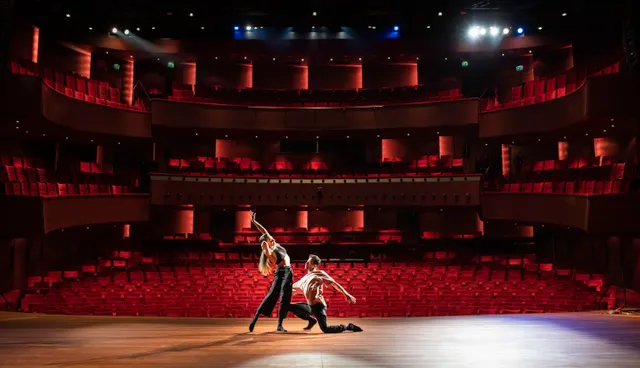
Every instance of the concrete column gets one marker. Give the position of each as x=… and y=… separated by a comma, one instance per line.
x=127, y=87
x=189, y=73
x=394, y=148
x=605, y=147
x=506, y=160
x=99, y=155
x=563, y=150
x=184, y=220
x=126, y=231
x=243, y=218
x=446, y=145
x=302, y=218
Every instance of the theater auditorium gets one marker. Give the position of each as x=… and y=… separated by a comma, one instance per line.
x=319, y=184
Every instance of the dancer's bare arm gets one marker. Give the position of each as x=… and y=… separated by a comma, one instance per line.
x=260, y=228
x=347, y=296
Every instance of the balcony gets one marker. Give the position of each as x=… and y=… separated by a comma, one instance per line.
x=30, y=97
x=25, y=216
x=178, y=189
x=599, y=214
x=600, y=96
x=174, y=114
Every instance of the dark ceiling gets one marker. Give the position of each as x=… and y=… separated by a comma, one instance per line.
x=172, y=18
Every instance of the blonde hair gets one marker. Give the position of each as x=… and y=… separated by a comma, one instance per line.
x=264, y=266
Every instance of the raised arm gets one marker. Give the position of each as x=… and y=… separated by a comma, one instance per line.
x=347, y=296
x=260, y=228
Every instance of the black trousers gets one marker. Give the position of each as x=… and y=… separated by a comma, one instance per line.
x=305, y=311
x=280, y=289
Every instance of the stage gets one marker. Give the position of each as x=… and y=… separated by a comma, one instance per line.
x=543, y=340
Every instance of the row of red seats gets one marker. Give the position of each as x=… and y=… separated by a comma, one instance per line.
x=235, y=290
x=78, y=87
x=550, y=88
x=52, y=189
x=95, y=168
x=581, y=187
x=585, y=173
x=311, y=98
x=575, y=163
x=23, y=162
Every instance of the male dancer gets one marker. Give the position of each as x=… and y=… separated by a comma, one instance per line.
x=311, y=285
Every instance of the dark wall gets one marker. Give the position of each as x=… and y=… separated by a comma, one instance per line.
x=152, y=74
x=380, y=74
x=102, y=69
x=280, y=76
x=335, y=76
x=65, y=58
x=224, y=74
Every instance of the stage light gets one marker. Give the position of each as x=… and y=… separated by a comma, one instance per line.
x=314, y=14
x=539, y=28
x=274, y=59
x=396, y=28
x=153, y=28
x=248, y=28
x=301, y=59
x=126, y=31
x=255, y=27
x=465, y=64
x=170, y=65
x=68, y=15
x=201, y=27
x=114, y=30
x=191, y=14
x=236, y=28
x=530, y=51
x=493, y=31
x=91, y=28
x=313, y=27
x=564, y=14
x=428, y=27
x=520, y=30
x=439, y=14
x=138, y=29
x=474, y=31
x=505, y=31
x=483, y=31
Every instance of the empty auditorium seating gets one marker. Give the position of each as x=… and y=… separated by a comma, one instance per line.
x=549, y=88
x=222, y=284
x=578, y=176
x=78, y=87
x=427, y=165
x=28, y=177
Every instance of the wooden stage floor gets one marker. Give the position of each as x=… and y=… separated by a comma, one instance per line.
x=549, y=340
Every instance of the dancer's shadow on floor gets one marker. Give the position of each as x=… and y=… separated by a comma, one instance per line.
x=241, y=339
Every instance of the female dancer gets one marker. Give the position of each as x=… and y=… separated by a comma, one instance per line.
x=273, y=254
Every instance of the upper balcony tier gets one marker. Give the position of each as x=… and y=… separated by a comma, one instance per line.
x=27, y=96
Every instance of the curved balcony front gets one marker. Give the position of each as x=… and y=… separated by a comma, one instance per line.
x=29, y=97
x=91, y=117
x=599, y=96
x=26, y=216
x=174, y=114
x=598, y=214
x=454, y=190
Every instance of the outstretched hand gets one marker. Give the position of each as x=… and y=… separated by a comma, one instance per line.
x=253, y=216
x=350, y=299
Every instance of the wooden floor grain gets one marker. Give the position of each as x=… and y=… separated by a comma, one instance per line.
x=550, y=340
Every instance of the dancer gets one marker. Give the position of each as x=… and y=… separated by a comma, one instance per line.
x=311, y=285
x=273, y=254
